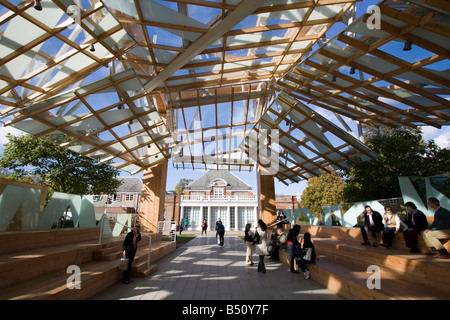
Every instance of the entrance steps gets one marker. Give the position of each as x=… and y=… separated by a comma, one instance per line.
x=41, y=272
x=343, y=267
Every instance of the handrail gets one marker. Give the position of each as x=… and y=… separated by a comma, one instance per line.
x=284, y=220
x=130, y=228
x=222, y=198
x=146, y=220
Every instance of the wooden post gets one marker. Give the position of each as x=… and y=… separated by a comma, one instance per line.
x=151, y=207
x=266, y=197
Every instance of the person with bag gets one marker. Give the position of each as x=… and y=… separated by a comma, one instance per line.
x=248, y=237
x=204, y=226
x=220, y=231
x=129, y=248
x=308, y=255
x=261, y=244
x=293, y=244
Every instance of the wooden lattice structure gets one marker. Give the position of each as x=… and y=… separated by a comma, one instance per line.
x=137, y=82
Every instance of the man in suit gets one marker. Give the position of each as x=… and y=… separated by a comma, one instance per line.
x=373, y=222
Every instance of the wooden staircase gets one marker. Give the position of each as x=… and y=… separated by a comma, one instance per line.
x=343, y=266
x=41, y=272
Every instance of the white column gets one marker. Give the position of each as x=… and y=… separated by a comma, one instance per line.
x=255, y=215
x=236, y=220
x=228, y=217
x=181, y=215
x=209, y=218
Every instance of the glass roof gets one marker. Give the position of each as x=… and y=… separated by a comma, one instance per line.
x=136, y=82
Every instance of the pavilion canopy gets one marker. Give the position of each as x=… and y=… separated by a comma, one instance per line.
x=135, y=82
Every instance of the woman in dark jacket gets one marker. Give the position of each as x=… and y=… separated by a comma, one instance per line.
x=129, y=248
x=301, y=262
x=416, y=222
x=291, y=242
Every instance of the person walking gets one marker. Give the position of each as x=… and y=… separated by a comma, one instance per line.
x=204, y=226
x=129, y=248
x=220, y=231
x=248, y=237
x=261, y=246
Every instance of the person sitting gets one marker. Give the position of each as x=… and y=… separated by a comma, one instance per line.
x=416, y=222
x=372, y=222
x=439, y=229
x=278, y=242
x=392, y=226
x=302, y=261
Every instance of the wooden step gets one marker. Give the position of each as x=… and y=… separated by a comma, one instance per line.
x=351, y=283
x=354, y=235
x=21, y=266
x=18, y=241
x=95, y=277
x=416, y=268
x=41, y=273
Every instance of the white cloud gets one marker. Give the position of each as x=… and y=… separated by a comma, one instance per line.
x=5, y=130
x=440, y=136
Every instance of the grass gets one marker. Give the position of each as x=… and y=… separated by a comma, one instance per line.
x=184, y=238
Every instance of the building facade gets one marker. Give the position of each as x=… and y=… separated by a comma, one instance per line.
x=218, y=194
x=125, y=200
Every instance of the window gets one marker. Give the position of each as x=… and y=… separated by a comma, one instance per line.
x=129, y=197
x=205, y=213
x=218, y=193
x=232, y=218
x=97, y=198
x=116, y=197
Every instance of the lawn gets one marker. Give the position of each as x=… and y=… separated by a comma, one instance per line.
x=184, y=238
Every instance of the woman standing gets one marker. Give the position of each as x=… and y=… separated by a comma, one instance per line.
x=291, y=242
x=129, y=248
x=261, y=245
x=248, y=243
x=204, y=226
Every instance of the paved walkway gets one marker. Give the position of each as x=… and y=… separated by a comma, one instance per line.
x=202, y=270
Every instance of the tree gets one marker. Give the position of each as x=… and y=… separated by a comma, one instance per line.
x=61, y=169
x=403, y=152
x=323, y=190
x=181, y=185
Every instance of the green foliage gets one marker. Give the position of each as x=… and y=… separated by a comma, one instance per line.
x=403, y=152
x=323, y=190
x=181, y=185
x=61, y=169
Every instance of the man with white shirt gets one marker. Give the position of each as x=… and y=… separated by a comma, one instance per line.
x=373, y=222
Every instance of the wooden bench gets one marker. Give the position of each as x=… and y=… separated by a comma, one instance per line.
x=342, y=268
x=17, y=241
x=41, y=273
x=354, y=235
